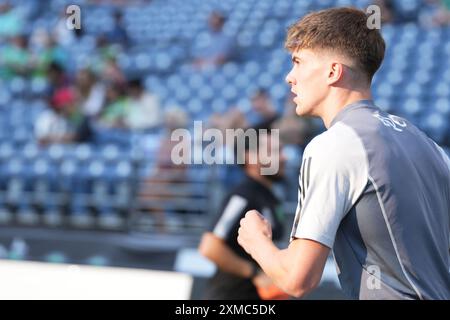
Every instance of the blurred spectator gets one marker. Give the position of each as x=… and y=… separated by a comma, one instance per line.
x=119, y=33
x=215, y=48
x=11, y=20
x=62, y=123
x=262, y=108
x=45, y=51
x=394, y=11
x=232, y=118
x=159, y=185
x=16, y=59
x=63, y=35
x=103, y=59
x=144, y=108
x=438, y=13
x=112, y=72
x=174, y=118
x=295, y=130
x=57, y=78
x=295, y=133
x=387, y=10
x=91, y=93
x=115, y=111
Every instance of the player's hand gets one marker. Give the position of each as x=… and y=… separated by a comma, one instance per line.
x=252, y=228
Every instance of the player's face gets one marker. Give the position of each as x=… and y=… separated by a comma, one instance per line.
x=308, y=81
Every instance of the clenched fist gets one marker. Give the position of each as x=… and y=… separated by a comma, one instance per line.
x=252, y=228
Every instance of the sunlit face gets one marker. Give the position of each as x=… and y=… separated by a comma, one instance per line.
x=308, y=81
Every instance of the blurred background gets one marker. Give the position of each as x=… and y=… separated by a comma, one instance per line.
x=86, y=117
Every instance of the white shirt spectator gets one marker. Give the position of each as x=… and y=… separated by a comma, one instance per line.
x=92, y=105
x=144, y=112
x=51, y=124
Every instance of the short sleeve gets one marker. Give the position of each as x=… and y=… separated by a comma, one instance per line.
x=333, y=175
x=232, y=211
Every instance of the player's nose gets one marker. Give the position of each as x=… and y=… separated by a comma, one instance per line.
x=290, y=79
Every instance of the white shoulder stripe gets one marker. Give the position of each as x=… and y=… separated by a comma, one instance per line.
x=232, y=211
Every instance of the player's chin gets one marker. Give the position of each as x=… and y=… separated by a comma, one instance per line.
x=299, y=110
x=303, y=110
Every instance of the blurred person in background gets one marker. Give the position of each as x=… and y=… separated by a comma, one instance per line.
x=435, y=13
x=11, y=20
x=295, y=133
x=119, y=34
x=387, y=10
x=57, y=78
x=46, y=50
x=90, y=92
x=157, y=187
x=144, y=108
x=237, y=275
x=441, y=17
x=111, y=72
x=62, y=123
x=63, y=35
x=215, y=48
x=232, y=118
x=174, y=118
x=294, y=130
x=262, y=108
x=16, y=58
x=116, y=107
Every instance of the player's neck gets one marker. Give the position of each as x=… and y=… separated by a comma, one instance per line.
x=338, y=101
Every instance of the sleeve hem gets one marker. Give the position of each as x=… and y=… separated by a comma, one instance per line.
x=322, y=239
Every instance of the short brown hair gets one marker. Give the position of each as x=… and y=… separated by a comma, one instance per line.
x=343, y=30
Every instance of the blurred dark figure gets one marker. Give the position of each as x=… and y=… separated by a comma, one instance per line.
x=57, y=78
x=237, y=275
x=119, y=33
x=262, y=108
x=215, y=48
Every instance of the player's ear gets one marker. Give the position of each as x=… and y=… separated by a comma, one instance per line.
x=335, y=72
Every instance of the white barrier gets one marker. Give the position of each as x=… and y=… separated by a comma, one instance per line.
x=36, y=280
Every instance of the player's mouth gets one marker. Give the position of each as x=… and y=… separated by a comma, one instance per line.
x=295, y=95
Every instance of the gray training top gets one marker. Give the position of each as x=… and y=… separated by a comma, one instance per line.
x=377, y=190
